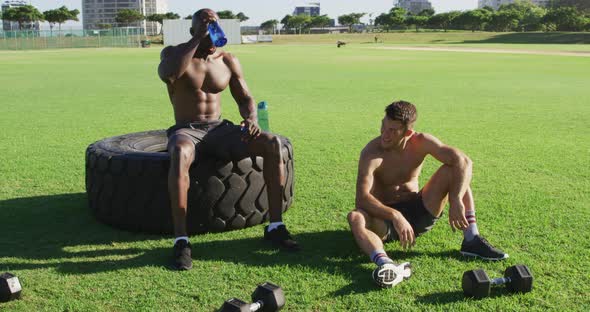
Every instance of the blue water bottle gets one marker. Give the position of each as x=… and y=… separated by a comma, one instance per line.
x=217, y=35
x=263, y=116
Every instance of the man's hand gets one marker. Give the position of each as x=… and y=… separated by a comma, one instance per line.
x=202, y=29
x=457, y=219
x=250, y=130
x=405, y=233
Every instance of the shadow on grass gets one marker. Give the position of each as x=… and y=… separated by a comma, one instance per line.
x=42, y=232
x=58, y=232
x=457, y=295
x=537, y=38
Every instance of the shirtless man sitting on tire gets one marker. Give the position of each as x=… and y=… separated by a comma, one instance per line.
x=195, y=74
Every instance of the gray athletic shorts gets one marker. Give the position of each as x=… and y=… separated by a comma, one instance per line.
x=220, y=138
x=417, y=215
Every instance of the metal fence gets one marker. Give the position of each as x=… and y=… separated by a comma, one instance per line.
x=65, y=39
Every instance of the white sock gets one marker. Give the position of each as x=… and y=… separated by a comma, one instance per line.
x=380, y=257
x=181, y=237
x=471, y=231
x=274, y=225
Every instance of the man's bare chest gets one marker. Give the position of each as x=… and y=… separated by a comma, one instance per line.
x=399, y=169
x=208, y=77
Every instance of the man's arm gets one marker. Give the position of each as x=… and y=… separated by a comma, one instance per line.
x=241, y=94
x=239, y=89
x=175, y=60
x=364, y=183
x=460, y=179
x=374, y=207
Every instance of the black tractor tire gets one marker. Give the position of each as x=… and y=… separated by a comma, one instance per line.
x=127, y=186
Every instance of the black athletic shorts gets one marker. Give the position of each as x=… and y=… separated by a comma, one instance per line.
x=220, y=138
x=417, y=215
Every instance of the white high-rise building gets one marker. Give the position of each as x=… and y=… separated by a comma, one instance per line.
x=97, y=12
x=10, y=25
x=495, y=4
x=413, y=6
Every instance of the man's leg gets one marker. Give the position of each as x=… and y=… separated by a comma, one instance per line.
x=182, y=155
x=435, y=195
x=269, y=147
x=369, y=234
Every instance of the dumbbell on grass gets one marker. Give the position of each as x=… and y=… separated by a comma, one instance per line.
x=476, y=283
x=267, y=297
x=9, y=287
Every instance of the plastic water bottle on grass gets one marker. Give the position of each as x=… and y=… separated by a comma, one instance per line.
x=263, y=116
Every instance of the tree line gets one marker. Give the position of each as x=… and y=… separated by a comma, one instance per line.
x=27, y=14
x=560, y=15
x=518, y=16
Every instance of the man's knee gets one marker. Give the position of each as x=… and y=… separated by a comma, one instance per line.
x=273, y=146
x=356, y=217
x=181, y=153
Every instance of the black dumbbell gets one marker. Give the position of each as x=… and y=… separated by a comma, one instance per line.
x=476, y=283
x=9, y=287
x=267, y=297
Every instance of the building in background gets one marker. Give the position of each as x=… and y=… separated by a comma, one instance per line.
x=9, y=25
x=96, y=13
x=413, y=6
x=311, y=9
x=495, y=4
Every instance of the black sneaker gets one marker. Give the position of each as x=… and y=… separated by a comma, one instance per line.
x=391, y=274
x=480, y=247
x=281, y=237
x=182, y=256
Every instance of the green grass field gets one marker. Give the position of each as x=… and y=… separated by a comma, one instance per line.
x=523, y=119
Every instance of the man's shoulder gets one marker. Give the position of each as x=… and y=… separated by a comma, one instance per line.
x=228, y=57
x=167, y=51
x=372, y=149
x=420, y=137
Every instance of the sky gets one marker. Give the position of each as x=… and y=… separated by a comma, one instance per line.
x=263, y=10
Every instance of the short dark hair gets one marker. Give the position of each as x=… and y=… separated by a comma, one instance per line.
x=402, y=111
x=196, y=15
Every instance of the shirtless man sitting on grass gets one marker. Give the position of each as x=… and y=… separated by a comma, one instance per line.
x=390, y=205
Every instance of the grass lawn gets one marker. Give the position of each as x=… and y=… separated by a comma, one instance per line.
x=523, y=119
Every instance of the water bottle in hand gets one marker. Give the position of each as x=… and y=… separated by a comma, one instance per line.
x=217, y=35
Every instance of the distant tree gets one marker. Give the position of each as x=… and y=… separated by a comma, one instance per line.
x=226, y=14
x=473, y=20
x=581, y=5
x=242, y=17
x=60, y=16
x=159, y=18
x=320, y=21
x=416, y=21
x=444, y=20
x=426, y=12
x=566, y=19
x=270, y=25
x=383, y=21
x=286, y=22
x=505, y=20
x=350, y=19
x=127, y=16
x=300, y=22
x=398, y=15
x=532, y=18
x=104, y=26
x=188, y=17
x=22, y=14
